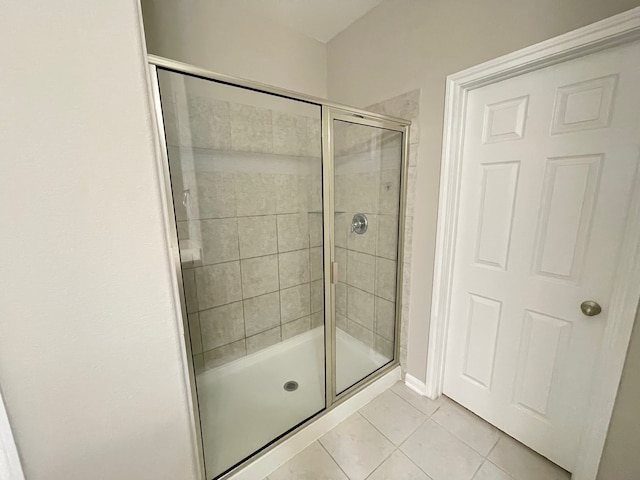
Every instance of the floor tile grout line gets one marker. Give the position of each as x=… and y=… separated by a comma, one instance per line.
x=478, y=468
x=382, y=463
x=414, y=463
x=464, y=441
x=376, y=428
x=331, y=456
x=413, y=406
x=511, y=477
x=428, y=416
x=495, y=444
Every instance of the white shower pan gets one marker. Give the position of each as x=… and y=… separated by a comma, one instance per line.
x=244, y=406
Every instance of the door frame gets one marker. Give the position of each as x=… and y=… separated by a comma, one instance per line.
x=617, y=30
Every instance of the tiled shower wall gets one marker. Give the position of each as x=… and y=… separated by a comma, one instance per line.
x=406, y=106
x=367, y=171
x=247, y=195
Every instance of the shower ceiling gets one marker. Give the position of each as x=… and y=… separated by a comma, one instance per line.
x=319, y=19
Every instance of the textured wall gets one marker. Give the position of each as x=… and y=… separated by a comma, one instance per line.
x=91, y=365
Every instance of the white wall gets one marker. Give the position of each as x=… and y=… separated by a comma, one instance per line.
x=406, y=44
x=90, y=354
x=220, y=35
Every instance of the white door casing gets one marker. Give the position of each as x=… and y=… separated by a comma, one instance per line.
x=587, y=172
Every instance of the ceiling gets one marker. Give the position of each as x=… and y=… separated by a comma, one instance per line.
x=319, y=19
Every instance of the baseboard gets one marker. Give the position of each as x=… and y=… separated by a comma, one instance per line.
x=416, y=385
x=270, y=461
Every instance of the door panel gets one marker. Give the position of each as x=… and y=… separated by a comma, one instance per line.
x=549, y=161
x=367, y=172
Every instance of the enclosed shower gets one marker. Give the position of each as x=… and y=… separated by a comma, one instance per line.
x=288, y=216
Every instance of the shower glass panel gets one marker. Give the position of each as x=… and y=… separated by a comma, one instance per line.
x=246, y=179
x=367, y=169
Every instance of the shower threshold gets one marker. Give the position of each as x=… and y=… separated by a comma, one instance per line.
x=243, y=405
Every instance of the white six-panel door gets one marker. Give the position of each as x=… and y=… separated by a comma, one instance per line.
x=549, y=164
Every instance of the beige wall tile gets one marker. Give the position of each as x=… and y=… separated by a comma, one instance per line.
x=208, y=125
x=255, y=193
x=251, y=129
x=316, y=264
x=315, y=187
x=317, y=296
x=178, y=184
x=218, y=284
x=387, y=237
x=296, y=327
x=190, y=291
x=391, y=151
x=315, y=230
x=294, y=303
x=263, y=340
x=259, y=276
x=261, y=313
x=215, y=196
x=361, y=333
x=291, y=193
x=219, y=240
x=362, y=193
x=365, y=242
x=411, y=188
x=385, y=318
x=389, y=203
x=183, y=230
x=360, y=307
x=293, y=232
x=194, y=333
x=221, y=325
x=342, y=228
x=198, y=363
x=341, y=298
x=341, y=194
x=385, y=278
x=413, y=155
x=361, y=271
x=313, y=145
x=317, y=319
x=341, y=259
x=383, y=346
x=289, y=134
x=294, y=268
x=341, y=322
x=225, y=354
x=257, y=236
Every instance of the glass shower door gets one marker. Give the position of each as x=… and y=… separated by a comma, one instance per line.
x=246, y=180
x=367, y=172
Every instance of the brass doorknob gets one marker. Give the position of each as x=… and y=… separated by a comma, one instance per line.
x=590, y=308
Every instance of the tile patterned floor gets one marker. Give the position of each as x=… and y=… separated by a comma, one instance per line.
x=401, y=435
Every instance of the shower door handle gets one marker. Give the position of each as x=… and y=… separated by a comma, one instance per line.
x=334, y=272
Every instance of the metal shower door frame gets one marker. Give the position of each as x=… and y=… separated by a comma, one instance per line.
x=346, y=114
x=330, y=111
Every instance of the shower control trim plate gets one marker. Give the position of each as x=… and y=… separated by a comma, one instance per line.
x=359, y=223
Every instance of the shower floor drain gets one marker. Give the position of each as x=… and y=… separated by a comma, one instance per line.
x=291, y=386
